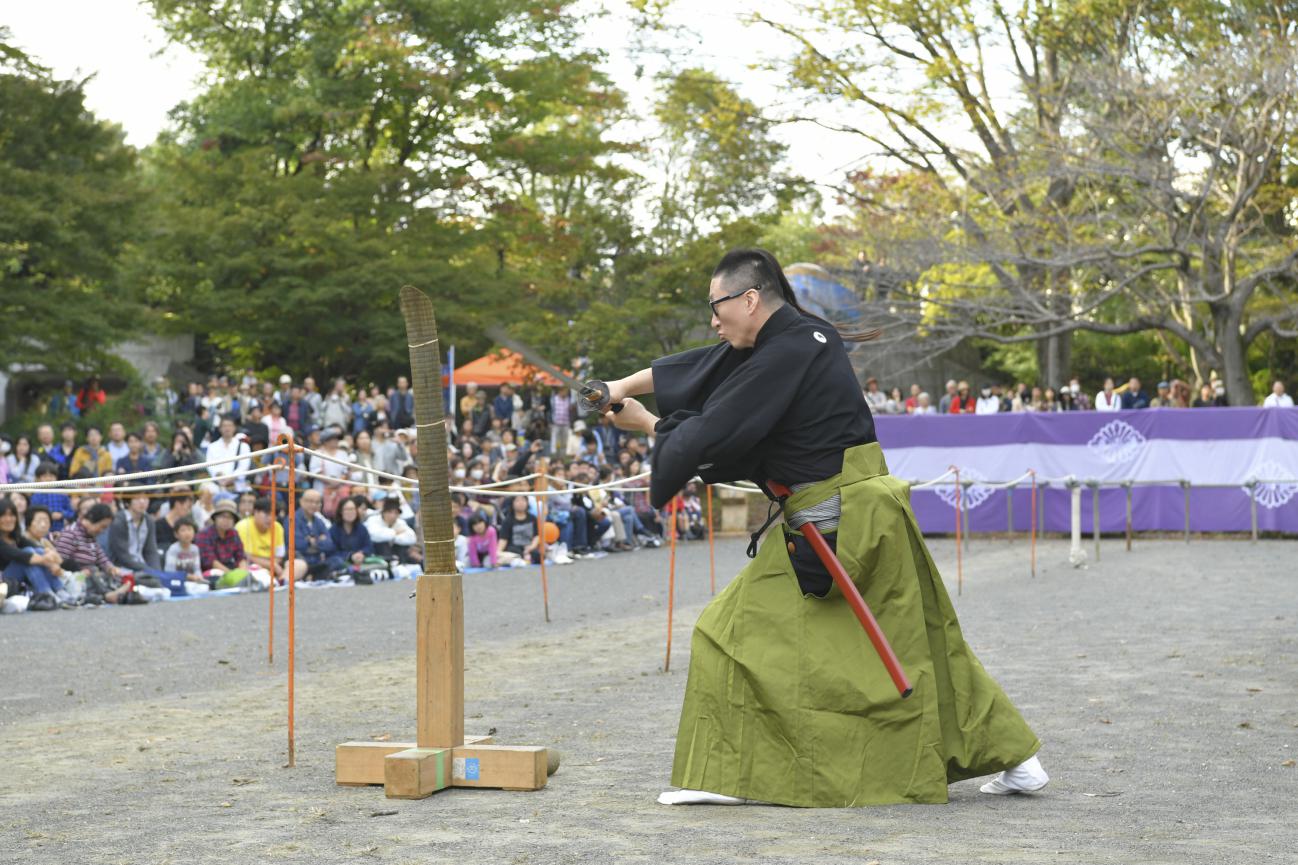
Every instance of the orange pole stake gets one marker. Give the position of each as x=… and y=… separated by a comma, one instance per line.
x=292, y=595
x=270, y=637
x=1034, y=522
x=959, y=561
x=671, y=591
x=545, y=586
x=712, y=556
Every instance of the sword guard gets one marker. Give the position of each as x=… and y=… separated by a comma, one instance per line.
x=595, y=397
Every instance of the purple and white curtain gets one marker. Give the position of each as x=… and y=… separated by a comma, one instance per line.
x=1218, y=451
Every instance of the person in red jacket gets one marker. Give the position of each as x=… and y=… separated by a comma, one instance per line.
x=963, y=402
x=91, y=396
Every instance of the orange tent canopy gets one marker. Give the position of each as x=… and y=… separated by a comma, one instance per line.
x=499, y=367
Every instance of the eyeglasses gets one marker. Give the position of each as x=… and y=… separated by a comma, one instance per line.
x=713, y=303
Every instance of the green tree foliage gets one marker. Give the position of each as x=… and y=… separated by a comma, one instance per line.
x=68, y=199
x=343, y=148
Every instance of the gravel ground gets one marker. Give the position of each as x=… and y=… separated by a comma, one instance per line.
x=1161, y=681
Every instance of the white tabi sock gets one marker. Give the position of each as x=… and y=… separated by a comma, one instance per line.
x=1026, y=777
x=697, y=797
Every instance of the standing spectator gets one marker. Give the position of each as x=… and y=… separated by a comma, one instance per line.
x=502, y=407
x=481, y=415
x=193, y=400
x=312, y=396
x=987, y=402
x=944, y=404
x=255, y=429
x=389, y=455
x=1107, y=400
x=912, y=401
x=22, y=462
x=1277, y=398
x=895, y=404
x=963, y=401
x=401, y=405
x=331, y=465
x=163, y=399
x=276, y=426
x=151, y=447
x=1081, y=400
x=132, y=542
x=92, y=457
x=116, y=444
x=469, y=400
x=337, y=408
x=1134, y=397
x=226, y=447
x=874, y=397
x=1164, y=397
x=134, y=460
x=1049, y=402
x=48, y=451
x=282, y=395
x=297, y=411
x=91, y=396
x=181, y=453
x=363, y=459
x=204, y=428
x=64, y=403
x=1065, y=400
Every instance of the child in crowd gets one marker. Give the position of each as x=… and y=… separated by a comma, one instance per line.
x=183, y=555
x=482, y=542
x=57, y=503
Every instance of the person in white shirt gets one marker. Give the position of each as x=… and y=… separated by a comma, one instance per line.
x=924, y=405
x=225, y=447
x=988, y=402
x=1277, y=398
x=386, y=527
x=1107, y=400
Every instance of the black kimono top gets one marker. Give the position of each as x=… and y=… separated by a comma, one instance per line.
x=784, y=410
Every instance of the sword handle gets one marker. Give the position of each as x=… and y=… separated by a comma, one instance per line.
x=595, y=397
x=854, y=600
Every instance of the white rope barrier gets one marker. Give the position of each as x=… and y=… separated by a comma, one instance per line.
x=133, y=488
x=152, y=473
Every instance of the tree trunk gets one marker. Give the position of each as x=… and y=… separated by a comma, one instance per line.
x=1054, y=355
x=1234, y=355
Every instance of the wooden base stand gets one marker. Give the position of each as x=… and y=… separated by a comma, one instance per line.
x=442, y=756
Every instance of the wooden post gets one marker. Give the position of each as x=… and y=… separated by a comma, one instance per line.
x=442, y=756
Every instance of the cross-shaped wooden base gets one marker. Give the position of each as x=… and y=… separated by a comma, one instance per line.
x=442, y=756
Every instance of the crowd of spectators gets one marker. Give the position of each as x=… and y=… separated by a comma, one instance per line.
x=994, y=398
x=225, y=526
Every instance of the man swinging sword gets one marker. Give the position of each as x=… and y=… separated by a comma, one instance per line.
x=787, y=701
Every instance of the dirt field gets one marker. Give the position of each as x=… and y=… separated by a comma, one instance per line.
x=1163, y=682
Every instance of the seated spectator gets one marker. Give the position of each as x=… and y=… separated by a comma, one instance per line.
x=134, y=461
x=132, y=542
x=924, y=404
x=57, y=503
x=988, y=401
x=1048, y=401
x=1206, y=398
x=895, y=404
x=1277, y=398
x=92, y=457
x=351, y=541
x=25, y=562
x=314, y=543
x=181, y=453
x=482, y=542
x=243, y=504
x=391, y=535
x=22, y=462
x=207, y=498
x=912, y=401
x=1081, y=401
x=944, y=404
x=519, y=541
x=263, y=543
x=220, y=548
x=874, y=398
x=179, y=507
x=79, y=547
x=1164, y=397
x=183, y=555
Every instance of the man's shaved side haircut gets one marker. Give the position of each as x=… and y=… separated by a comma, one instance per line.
x=741, y=269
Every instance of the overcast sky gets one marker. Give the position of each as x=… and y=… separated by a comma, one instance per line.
x=138, y=77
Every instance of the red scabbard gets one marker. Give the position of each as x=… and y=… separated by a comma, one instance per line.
x=854, y=599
